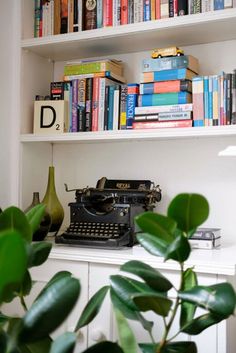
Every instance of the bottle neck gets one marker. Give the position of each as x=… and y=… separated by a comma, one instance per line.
x=51, y=179
x=36, y=200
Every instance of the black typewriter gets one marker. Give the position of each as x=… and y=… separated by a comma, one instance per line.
x=104, y=216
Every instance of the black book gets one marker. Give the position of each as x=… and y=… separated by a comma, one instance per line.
x=88, y=105
x=182, y=7
x=106, y=107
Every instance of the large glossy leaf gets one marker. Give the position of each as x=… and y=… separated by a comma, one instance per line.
x=156, y=224
x=50, y=309
x=150, y=301
x=34, y=216
x=59, y=275
x=172, y=347
x=42, y=346
x=26, y=284
x=220, y=298
x=127, y=339
x=64, y=343
x=129, y=313
x=152, y=244
x=38, y=253
x=179, y=250
x=3, y=341
x=125, y=288
x=201, y=323
x=189, y=211
x=151, y=276
x=104, y=347
x=13, y=218
x=187, y=309
x=13, y=263
x=3, y=319
x=92, y=308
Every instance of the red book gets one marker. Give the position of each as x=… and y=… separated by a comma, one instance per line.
x=124, y=12
x=107, y=13
x=158, y=9
x=161, y=124
x=95, y=103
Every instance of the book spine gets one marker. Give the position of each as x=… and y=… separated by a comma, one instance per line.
x=198, y=101
x=219, y=4
x=164, y=8
x=165, y=87
x=64, y=16
x=124, y=12
x=88, y=106
x=74, y=126
x=165, y=75
x=171, y=8
x=161, y=124
x=75, y=17
x=164, y=99
x=153, y=10
x=210, y=100
x=81, y=104
x=95, y=104
x=107, y=13
x=228, y=98
x=71, y=15
x=101, y=103
x=182, y=7
x=207, y=5
x=36, y=18
x=164, y=108
x=116, y=13
x=99, y=13
x=80, y=16
x=215, y=101
x=233, y=119
x=206, y=99
x=123, y=102
x=90, y=15
x=57, y=17
x=107, y=74
x=116, y=107
x=57, y=90
x=130, y=11
x=147, y=10
x=164, y=116
x=158, y=9
x=169, y=63
x=67, y=98
x=110, y=109
x=228, y=4
x=106, y=107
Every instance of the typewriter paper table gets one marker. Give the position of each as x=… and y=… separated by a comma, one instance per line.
x=94, y=266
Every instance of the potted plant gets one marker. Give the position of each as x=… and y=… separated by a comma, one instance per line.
x=160, y=235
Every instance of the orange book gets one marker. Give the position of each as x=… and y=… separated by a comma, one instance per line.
x=153, y=10
x=123, y=12
x=166, y=86
x=107, y=13
x=158, y=9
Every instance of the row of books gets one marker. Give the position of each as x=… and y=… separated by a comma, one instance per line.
x=64, y=16
x=214, y=99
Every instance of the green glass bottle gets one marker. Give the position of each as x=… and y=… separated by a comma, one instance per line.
x=53, y=205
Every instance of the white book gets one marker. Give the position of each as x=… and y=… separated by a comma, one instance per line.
x=205, y=244
x=101, y=105
x=164, y=108
x=116, y=105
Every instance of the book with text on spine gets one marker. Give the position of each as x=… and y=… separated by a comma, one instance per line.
x=164, y=108
x=164, y=99
x=169, y=63
x=165, y=87
x=161, y=124
x=164, y=116
x=166, y=75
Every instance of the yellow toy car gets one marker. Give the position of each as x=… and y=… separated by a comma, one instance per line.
x=162, y=52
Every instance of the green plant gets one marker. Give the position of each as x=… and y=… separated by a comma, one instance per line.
x=165, y=236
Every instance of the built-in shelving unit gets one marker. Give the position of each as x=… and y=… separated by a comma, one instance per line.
x=184, y=30
x=126, y=135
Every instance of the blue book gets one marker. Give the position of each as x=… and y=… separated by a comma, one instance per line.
x=170, y=63
x=219, y=4
x=99, y=14
x=206, y=99
x=167, y=75
x=110, y=108
x=210, y=100
x=146, y=100
x=146, y=10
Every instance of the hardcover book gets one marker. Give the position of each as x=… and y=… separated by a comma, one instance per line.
x=166, y=86
x=198, y=101
x=164, y=108
x=164, y=99
x=90, y=14
x=168, y=63
x=166, y=75
x=161, y=124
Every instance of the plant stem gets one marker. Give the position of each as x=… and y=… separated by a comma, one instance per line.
x=168, y=326
x=23, y=303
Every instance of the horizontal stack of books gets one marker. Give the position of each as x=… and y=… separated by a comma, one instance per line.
x=206, y=238
x=165, y=98
x=214, y=99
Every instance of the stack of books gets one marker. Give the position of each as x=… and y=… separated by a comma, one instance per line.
x=206, y=238
x=94, y=94
x=165, y=98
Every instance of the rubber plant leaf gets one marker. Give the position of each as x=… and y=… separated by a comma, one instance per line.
x=152, y=244
x=13, y=263
x=50, y=309
x=125, y=288
x=13, y=218
x=35, y=216
x=187, y=310
x=189, y=211
x=201, y=323
x=129, y=313
x=92, y=308
x=64, y=343
x=179, y=250
x=38, y=253
x=156, y=224
x=126, y=336
x=151, y=276
x=156, y=302
x=104, y=347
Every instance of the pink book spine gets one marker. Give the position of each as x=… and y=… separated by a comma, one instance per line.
x=95, y=104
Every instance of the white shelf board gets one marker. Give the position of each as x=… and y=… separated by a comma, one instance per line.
x=132, y=135
x=229, y=151
x=183, y=30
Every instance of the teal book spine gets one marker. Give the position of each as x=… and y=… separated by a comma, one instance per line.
x=146, y=100
x=111, y=105
x=166, y=75
x=169, y=63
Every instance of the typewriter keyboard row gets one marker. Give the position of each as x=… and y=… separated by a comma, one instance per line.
x=96, y=230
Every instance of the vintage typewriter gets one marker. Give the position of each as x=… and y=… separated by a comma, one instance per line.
x=104, y=216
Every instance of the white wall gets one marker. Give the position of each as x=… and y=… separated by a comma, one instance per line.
x=9, y=108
